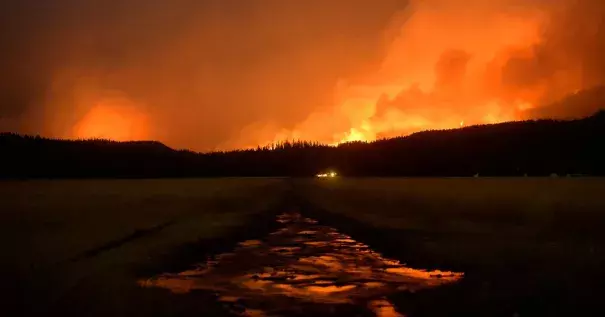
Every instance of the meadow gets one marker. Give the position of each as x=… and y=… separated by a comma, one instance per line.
x=58, y=233
x=527, y=245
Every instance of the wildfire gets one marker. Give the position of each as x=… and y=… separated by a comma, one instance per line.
x=445, y=70
x=112, y=119
x=225, y=79
x=357, y=135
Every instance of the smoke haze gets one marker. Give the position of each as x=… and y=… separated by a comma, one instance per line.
x=221, y=74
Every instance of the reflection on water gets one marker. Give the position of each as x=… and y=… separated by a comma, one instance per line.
x=301, y=265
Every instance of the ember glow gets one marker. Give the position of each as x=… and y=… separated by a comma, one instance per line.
x=112, y=119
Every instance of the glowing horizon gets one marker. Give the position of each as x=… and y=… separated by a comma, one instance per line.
x=212, y=76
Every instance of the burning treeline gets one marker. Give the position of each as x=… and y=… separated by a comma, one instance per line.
x=453, y=63
x=218, y=74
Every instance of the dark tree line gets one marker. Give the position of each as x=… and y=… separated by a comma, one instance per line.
x=534, y=148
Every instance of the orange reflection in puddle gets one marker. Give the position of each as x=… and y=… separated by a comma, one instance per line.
x=299, y=265
x=383, y=308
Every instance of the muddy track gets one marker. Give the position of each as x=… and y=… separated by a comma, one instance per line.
x=292, y=265
x=298, y=259
x=137, y=234
x=183, y=256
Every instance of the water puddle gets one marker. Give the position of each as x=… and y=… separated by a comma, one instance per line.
x=303, y=267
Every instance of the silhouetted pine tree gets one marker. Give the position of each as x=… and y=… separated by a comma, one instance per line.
x=538, y=147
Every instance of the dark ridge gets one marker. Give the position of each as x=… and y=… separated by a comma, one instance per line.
x=533, y=148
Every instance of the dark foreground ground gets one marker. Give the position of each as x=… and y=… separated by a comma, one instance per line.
x=503, y=247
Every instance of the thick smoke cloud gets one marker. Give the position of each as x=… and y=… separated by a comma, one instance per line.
x=495, y=61
x=567, y=64
x=455, y=63
x=227, y=73
x=198, y=71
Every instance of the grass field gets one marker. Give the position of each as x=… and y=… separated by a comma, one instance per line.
x=527, y=245
x=58, y=233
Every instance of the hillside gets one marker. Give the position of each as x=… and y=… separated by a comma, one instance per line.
x=534, y=148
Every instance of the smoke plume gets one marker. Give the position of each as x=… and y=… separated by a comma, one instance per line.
x=481, y=62
x=221, y=74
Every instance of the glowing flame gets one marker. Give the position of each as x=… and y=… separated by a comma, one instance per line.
x=448, y=68
x=433, y=74
x=117, y=120
x=356, y=135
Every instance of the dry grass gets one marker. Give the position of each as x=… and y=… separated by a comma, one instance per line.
x=528, y=246
x=463, y=204
x=60, y=219
x=58, y=233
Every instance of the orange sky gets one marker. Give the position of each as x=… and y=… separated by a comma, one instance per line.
x=211, y=74
x=448, y=66
x=115, y=119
